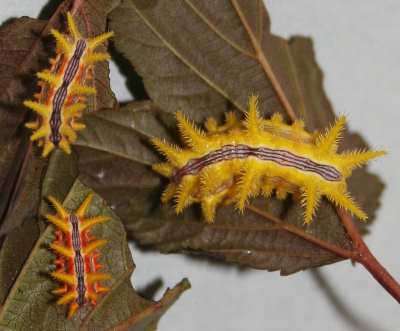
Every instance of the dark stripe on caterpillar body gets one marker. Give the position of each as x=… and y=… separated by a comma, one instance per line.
x=79, y=264
x=62, y=92
x=64, y=87
x=239, y=151
x=73, y=65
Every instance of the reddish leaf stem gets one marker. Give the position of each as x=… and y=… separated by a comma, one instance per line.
x=367, y=259
x=360, y=252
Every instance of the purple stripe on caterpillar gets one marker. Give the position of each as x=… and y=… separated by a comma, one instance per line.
x=239, y=151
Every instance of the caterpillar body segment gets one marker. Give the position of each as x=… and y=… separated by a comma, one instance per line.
x=64, y=87
x=77, y=263
x=232, y=163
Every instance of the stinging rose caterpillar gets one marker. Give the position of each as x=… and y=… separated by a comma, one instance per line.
x=242, y=159
x=64, y=88
x=77, y=266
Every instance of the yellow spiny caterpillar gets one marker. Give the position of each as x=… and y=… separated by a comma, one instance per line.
x=77, y=266
x=64, y=87
x=238, y=160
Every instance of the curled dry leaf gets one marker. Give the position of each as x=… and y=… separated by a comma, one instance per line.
x=209, y=60
x=30, y=304
x=24, y=51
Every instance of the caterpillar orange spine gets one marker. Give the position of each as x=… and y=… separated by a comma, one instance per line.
x=243, y=159
x=77, y=266
x=64, y=88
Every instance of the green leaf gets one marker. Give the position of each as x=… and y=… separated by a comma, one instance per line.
x=30, y=304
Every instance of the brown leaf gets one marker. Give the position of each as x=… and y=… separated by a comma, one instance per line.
x=365, y=187
x=115, y=155
x=23, y=53
x=19, y=172
x=199, y=57
x=14, y=251
x=143, y=318
x=196, y=55
x=18, y=244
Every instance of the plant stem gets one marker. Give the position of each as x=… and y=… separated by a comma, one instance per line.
x=367, y=259
x=359, y=253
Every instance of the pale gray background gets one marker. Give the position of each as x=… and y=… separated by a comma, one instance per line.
x=357, y=45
